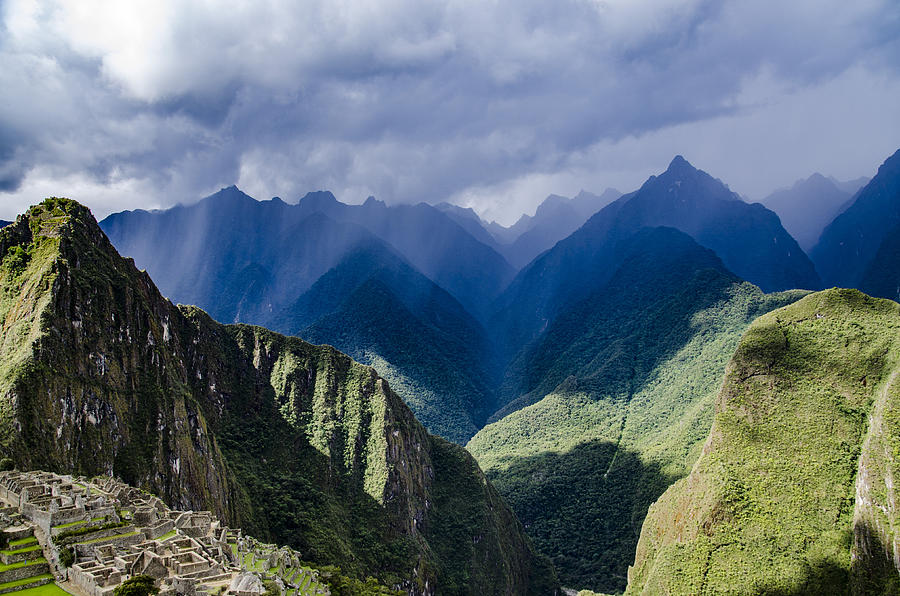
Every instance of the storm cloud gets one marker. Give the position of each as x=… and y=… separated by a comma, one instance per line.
x=488, y=104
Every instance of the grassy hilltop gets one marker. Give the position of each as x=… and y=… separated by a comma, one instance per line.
x=794, y=492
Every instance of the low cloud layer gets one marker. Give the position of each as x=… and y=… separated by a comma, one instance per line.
x=489, y=104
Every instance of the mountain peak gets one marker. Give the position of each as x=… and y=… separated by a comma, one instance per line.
x=680, y=164
x=817, y=177
x=371, y=201
x=229, y=193
x=57, y=217
x=318, y=199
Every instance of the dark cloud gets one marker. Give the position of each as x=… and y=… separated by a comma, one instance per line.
x=415, y=101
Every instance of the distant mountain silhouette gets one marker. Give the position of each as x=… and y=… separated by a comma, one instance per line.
x=850, y=243
x=808, y=206
x=470, y=222
x=554, y=219
x=238, y=258
x=351, y=276
x=850, y=187
x=508, y=235
x=429, y=239
x=748, y=238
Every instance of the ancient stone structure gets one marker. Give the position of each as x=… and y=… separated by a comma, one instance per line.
x=97, y=533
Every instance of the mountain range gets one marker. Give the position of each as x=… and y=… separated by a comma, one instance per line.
x=298, y=443
x=617, y=397
x=811, y=204
x=554, y=219
x=579, y=355
x=847, y=250
x=300, y=268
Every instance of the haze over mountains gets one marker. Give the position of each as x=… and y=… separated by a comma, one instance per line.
x=555, y=218
x=584, y=381
x=102, y=375
x=583, y=298
x=250, y=261
x=811, y=204
x=846, y=251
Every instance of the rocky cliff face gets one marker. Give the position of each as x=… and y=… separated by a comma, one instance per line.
x=102, y=375
x=794, y=492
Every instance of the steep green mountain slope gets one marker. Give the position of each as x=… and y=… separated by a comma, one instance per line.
x=383, y=313
x=748, y=238
x=624, y=383
x=850, y=242
x=293, y=442
x=296, y=269
x=795, y=490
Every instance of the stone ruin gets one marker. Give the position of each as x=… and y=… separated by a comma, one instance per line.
x=116, y=532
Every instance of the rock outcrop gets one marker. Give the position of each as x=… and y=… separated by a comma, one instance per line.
x=102, y=375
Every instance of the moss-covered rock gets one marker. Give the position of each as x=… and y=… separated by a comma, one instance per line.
x=794, y=490
x=99, y=374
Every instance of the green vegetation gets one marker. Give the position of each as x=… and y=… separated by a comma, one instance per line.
x=379, y=310
x=37, y=561
x=50, y=589
x=62, y=537
x=295, y=443
x=622, y=387
x=341, y=585
x=26, y=581
x=139, y=585
x=45, y=590
x=18, y=551
x=792, y=492
x=23, y=541
x=67, y=556
x=109, y=538
x=72, y=524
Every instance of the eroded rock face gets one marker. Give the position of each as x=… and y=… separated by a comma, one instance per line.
x=102, y=375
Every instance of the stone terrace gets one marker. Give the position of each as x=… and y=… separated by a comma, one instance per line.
x=107, y=532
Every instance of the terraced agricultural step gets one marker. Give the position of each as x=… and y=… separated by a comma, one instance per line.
x=23, y=542
x=24, y=584
x=98, y=534
x=17, y=571
x=13, y=555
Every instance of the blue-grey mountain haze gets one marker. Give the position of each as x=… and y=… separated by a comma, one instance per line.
x=491, y=106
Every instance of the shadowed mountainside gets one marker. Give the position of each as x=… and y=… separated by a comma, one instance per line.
x=810, y=205
x=794, y=489
x=748, y=238
x=849, y=244
x=634, y=366
x=296, y=269
x=297, y=443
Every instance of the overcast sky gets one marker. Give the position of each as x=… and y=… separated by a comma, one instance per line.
x=491, y=104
